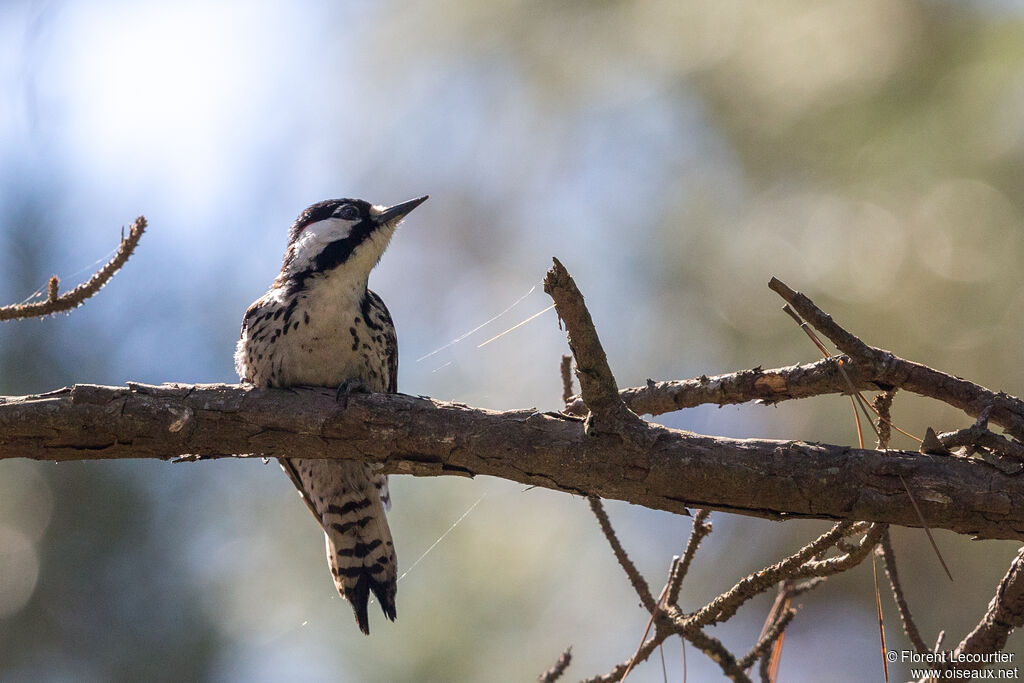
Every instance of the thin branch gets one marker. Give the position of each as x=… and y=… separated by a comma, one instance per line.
x=1005, y=613
x=788, y=589
x=718, y=653
x=1007, y=411
x=857, y=399
x=883, y=408
x=815, y=379
x=701, y=528
x=566, y=370
x=835, y=565
x=766, y=386
x=909, y=625
x=645, y=650
x=597, y=383
x=635, y=659
x=726, y=604
x=635, y=579
x=976, y=436
x=556, y=671
x=801, y=587
x=75, y=297
x=767, y=640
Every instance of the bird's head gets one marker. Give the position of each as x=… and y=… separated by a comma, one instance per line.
x=341, y=233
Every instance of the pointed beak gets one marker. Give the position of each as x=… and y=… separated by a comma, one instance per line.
x=398, y=211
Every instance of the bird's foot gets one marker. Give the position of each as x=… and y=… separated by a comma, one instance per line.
x=350, y=386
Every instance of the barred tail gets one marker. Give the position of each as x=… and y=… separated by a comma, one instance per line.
x=360, y=550
x=349, y=500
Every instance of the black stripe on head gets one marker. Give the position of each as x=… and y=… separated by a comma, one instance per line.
x=322, y=211
x=335, y=253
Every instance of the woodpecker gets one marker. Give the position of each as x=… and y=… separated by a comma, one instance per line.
x=319, y=325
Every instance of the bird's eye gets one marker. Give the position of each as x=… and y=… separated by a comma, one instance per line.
x=347, y=212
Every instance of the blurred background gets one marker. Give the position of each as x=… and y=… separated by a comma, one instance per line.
x=674, y=156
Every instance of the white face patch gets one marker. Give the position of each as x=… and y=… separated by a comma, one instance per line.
x=315, y=237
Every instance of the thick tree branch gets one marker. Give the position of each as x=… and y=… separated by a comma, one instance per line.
x=411, y=435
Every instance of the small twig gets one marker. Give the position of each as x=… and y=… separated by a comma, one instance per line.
x=556, y=671
x=882, y=405
x=1005, y=613
x=726, y=604
x=783, y=599
x=597, y=383
x=856, y=398
x=909, y=626
x=801, y=587
x=616, y=674
x=788, y=589
x=647, y=629
x=854, y=346
x=566, y=368
x=75, y=297
x=638, y=581
x=1007, y=411
x=718, y=653
x=976, y=436
x=767, y=639
x=680, y=566
x=821, y=321
x=835, y=565
x=766, y=386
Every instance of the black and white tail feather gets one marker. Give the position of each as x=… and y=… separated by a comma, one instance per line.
x=319, y=325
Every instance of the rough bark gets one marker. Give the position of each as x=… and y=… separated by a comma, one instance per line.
x=420, y=436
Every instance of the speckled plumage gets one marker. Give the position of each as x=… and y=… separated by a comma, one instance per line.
x=319, y=325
